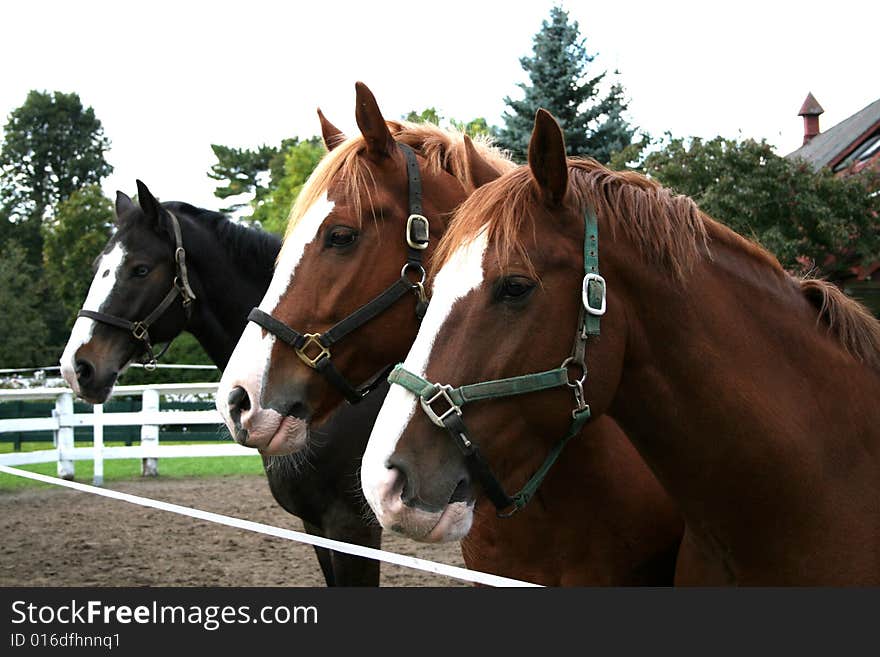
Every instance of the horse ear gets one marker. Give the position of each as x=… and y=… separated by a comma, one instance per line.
x=481, y=172
x=123, y=204
x=332, y=135
x=150, y=207
x=547, y=159
x=380, y=143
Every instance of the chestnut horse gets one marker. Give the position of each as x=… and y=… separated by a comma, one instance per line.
x=228, y=269
x=752, y=395
x=347, y=240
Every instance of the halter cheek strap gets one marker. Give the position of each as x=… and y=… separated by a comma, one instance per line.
x=140, y=330
x=443, y=404
x=314, y=348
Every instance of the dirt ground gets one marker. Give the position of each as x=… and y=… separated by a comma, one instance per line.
x=61, y=537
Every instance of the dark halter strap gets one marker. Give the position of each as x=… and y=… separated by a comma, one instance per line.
x=442, y=403
x=314, y=348
x=140, y=330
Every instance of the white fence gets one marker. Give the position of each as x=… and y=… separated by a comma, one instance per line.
x=149, y=418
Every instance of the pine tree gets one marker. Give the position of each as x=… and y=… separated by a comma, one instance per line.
x=558, y=70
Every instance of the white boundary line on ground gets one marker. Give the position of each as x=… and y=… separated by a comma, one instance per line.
x=287, y=534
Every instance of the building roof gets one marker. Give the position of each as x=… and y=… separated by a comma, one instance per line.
x=823, y=149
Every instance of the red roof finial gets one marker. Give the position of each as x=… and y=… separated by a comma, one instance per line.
x=811, y=107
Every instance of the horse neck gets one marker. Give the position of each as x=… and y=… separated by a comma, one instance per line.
x=231, y=281
x=729, y=388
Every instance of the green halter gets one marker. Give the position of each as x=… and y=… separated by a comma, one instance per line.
x=449, y=417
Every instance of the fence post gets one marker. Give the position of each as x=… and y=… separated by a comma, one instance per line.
x=150, y=434
x=98, y=449
x=64, y=435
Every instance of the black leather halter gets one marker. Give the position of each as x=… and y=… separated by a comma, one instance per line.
x=140, y=330
x=314, y=348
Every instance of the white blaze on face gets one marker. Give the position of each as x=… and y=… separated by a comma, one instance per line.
x=459, y=276
x=250, y=360
x=102, y=285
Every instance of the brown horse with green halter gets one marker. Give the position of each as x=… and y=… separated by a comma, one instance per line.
x=351, y=253
x=751, y=394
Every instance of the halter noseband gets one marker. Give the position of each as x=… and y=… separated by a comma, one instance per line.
x=314, y=348
x=442, y=403
x=180, y=287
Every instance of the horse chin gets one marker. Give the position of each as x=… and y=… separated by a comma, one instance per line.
x=452, y=524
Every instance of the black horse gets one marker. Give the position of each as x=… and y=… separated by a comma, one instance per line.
x=224, y=272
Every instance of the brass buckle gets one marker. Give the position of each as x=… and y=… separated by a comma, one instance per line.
x=420, y=219
x=139, y=331
x=312, y=339
x=441, y=394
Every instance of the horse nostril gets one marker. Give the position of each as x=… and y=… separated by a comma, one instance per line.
x=239, y=402
x=85, y=371
x=404, y=483
x=298, y=410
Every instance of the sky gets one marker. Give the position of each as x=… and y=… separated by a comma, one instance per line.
x=168, y=79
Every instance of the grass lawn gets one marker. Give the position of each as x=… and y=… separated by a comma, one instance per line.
x=121, y=469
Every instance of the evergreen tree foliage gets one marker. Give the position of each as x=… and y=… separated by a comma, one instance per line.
x=561, y=82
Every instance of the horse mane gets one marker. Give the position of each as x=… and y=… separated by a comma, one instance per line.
x=250, y=248
x=668, y=229
x=852, y=325
x=443, y=149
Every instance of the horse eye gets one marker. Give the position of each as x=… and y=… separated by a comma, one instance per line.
x=140, y=271
x=341, y=236
x=514, y=288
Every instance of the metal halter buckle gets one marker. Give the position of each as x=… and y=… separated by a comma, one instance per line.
x=139, y=330
x=312, y=339
x=418, y=231
x=441, y=394
x=593, y=310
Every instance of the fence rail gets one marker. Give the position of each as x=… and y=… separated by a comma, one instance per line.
x=64, y=420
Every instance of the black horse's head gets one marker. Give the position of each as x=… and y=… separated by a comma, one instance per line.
x=133, y=275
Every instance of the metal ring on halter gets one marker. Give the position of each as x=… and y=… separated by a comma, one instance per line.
x=577, y=385
x=568, y=363
x=418, y=268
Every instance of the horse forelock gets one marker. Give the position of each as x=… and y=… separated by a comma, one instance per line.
x=350, y=177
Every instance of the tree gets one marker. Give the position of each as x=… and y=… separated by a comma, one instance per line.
x=22, y=325
x=300, y=159
x=52, y=146
x=244, y=171
x=72, y=239
x=427, y=115
x=260, y=172
x=473, y=128
x=809, y=220
x=593, y=125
